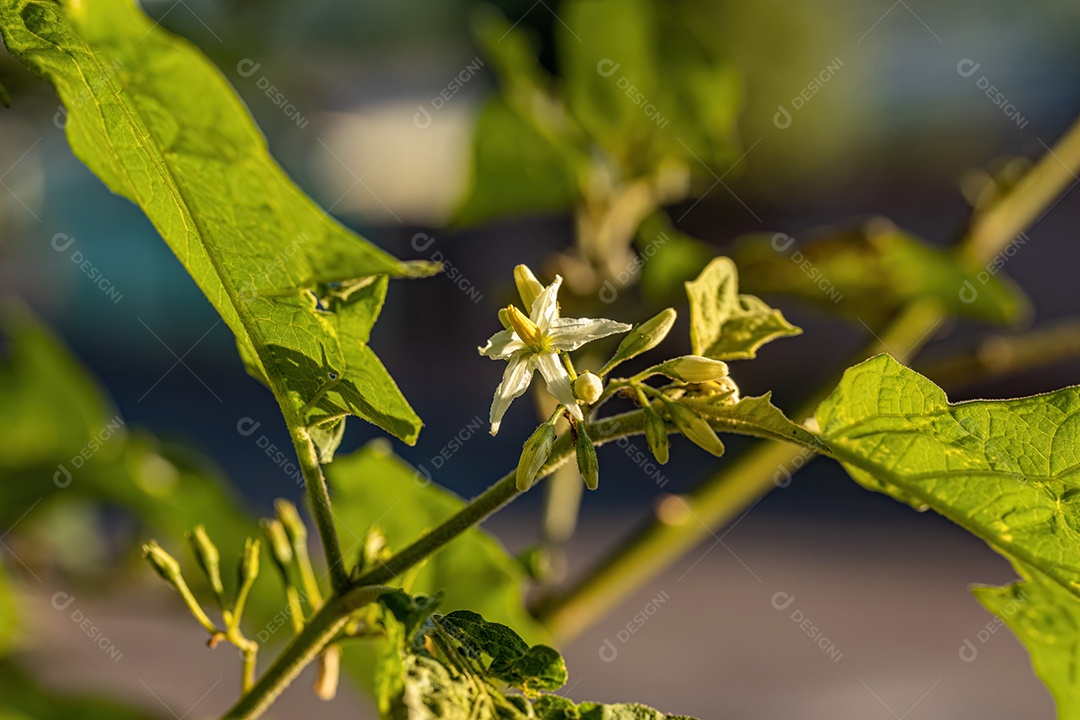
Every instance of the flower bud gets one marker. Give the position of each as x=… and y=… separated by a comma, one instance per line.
x=695, y=369
x=164, y=564
x=246, y=572
x=587, y=463
x=644, y=337
x=588, y=388
x=656, y=435
x=534, y=454
x=294, y=527
x=528, y=287
x=695, y=429
x=208, y=557
x=280, y=549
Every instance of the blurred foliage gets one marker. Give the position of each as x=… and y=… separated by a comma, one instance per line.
x=871, y=270
x=21, y=698
x=640, y=115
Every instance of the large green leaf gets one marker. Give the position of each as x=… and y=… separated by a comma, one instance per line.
x=868, y=272
x=159, y=124
x=725, y=324
x=1046, y=618
x=1007, y=470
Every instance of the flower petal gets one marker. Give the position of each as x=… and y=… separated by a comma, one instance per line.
x=502, y=345
x=571, y=333
x=545, y=308
x=515, y=381
x=558, y=381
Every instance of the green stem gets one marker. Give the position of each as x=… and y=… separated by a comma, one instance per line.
x=319, y=496
x=724, y=495
x=303, y=649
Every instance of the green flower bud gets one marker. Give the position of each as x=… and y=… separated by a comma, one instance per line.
x=209, y=559
x=295, y=529
x=588, y=388
x=504, y=318
x=695, y=429
x=164, y=564
x=246, y=572
x=280, y=549
x=644, y=337
x=656, y=435
x=587, y=463
x=534, y=453
x=695, y=369
x=529, y=288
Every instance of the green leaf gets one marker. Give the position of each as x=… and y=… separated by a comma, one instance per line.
x=754, y=415
x=512, y=660
x=441, y=669
x=1046, y=618
x=1006, y=470
x=552, y=707
x=158, y=123
x=869, y=272
x=725, y=325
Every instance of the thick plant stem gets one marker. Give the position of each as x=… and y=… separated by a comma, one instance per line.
x=319, y=496
x=726, y=494
x=303, y=649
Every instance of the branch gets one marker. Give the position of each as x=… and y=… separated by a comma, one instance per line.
x=303, y=649
x=319, y=496
x=723, y=495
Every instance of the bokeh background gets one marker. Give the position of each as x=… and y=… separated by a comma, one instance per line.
x=896, y=130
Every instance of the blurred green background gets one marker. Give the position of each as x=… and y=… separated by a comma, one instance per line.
x=845, y=110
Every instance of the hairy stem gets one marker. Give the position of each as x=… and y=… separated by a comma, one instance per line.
x=319, y=496
x=722, y=496
x=303, y=649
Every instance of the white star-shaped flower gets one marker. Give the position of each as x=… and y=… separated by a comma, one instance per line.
x=534, y=343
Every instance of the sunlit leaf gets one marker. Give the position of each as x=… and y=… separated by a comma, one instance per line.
x=1006, y=470
x=726, y=325
x=158, y=123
